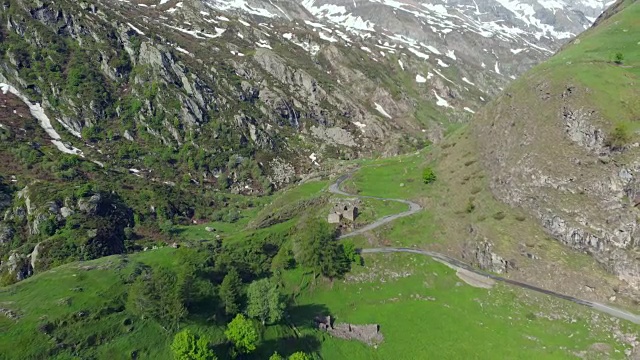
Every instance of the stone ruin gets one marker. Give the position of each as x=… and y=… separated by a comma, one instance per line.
x=341, y=211
x=369, y=333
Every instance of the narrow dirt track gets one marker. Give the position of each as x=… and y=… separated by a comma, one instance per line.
x=454, y=263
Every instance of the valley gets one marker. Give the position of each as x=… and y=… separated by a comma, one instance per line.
x=325, y=179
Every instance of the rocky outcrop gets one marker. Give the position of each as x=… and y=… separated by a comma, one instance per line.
x=481, y=255
x=19, y=266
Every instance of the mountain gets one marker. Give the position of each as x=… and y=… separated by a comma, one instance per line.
x=499, y=39
x=562, y=143
x=246, y=98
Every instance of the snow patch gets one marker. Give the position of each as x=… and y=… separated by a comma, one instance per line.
x=382, y=111
x=467, y=81
x=440, y=101
x=451, y=55
x=135, y=29
x=38, y=112
x=442, y=63
x=420, y=79
x=419, y=54
x=328, y=38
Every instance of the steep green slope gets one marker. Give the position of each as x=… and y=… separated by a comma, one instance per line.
x=561, y=142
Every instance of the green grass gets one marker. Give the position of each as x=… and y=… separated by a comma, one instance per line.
x=590, y=61
x=462, y=322
x=398, y=177
x=60, y=295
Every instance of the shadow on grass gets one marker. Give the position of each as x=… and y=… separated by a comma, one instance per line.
x=286, y=346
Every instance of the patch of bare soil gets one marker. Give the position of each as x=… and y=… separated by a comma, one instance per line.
x=474, y=279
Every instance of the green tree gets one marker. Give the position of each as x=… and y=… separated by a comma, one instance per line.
x=428, y=175
x=276, y=356
x=299, y=356
x=619, y=58
x=188, y=346
x=317, y=249
x=230, y=292
x=159, y=295
x=351, y=252
x=242, y=333
x=264, y=301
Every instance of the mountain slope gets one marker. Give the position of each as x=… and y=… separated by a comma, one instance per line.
x=561, y=142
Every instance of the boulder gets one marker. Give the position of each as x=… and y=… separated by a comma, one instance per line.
x=66, y=212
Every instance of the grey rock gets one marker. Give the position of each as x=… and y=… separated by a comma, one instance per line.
x=34, y=257
x=66, y=212
x=127, y=135
x=486, y=259
x=89, y=205
x=19, y=266
x=6, y=234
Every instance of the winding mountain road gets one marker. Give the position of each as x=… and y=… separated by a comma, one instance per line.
x=457, y=264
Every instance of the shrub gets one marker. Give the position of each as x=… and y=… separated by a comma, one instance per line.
x=499, y=215
x=470, y=206
x=619, y=58
x=428, y=175
x=619, y=137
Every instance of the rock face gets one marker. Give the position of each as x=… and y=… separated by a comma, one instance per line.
x=481, y=254
x=19, y=266
x=99, y=226
x=551, y=148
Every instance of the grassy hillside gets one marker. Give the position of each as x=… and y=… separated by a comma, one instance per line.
x=592, y=61
x=561, y=142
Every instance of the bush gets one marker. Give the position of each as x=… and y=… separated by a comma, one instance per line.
x=428, y=175
x=618, y=58
x=499, y=215
x=470, y=206
x=619, y=137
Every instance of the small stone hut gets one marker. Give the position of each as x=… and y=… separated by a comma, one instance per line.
x=341, y=211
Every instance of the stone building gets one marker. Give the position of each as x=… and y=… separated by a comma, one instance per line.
x=342, y=211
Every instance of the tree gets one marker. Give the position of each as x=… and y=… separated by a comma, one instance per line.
x=295, y=356
x=242, y=333
x=428, y=175
x=619, y=58
x=188, y=346
x=230, y=292
x=158, y=294
x=276, y=356
x=351, y=252
x=264, y=301
x=299, y=356
x=317, y=249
